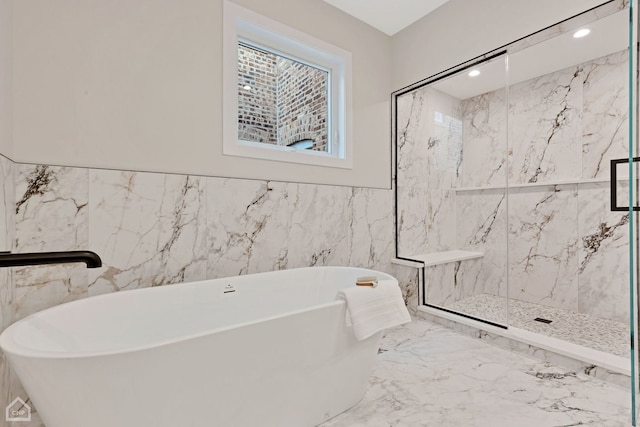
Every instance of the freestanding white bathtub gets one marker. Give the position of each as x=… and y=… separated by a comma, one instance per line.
x=268, y=349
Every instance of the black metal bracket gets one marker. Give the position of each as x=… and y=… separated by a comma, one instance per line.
x=614, y=180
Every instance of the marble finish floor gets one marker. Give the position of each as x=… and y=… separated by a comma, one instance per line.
x=600, y=334
x=427, y=375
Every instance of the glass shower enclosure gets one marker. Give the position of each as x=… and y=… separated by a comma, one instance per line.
x=514, y=184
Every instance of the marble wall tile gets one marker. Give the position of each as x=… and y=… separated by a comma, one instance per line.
x=257, y=226
x=429, y=159
x=320, y=225
x=603, y=242
x=484, y=155
x=429, y=137
x=543, y=246
x=411, y=127
x=545, y=127
x=371, y=227
x=154, y=229
x=440, y=284
x=149, y=229
x=248, y=226
x=408, y=280
x=412, y=138
x=412, y=205
x=605, y=113
x=51, y=210
x=445, y=284
x=481, y=218
x=426, y=221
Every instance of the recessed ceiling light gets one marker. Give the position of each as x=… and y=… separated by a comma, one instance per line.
x=246, y=87
x=581, y=33
x=474, y=73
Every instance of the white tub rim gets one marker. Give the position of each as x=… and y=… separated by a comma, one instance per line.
x=9, y=345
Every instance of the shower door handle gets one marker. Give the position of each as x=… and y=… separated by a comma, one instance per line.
x=614, y=181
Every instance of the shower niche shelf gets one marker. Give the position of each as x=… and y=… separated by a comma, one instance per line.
x=532, y=184
x=438, y=258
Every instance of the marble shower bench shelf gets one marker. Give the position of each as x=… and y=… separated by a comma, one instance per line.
x=437, y=258
x=533, y=184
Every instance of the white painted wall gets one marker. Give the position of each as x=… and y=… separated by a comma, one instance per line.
x=461, y=30
x=6, y=85
x=137, y=85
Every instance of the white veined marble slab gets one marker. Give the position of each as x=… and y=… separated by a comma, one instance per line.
x=437, y=258
x=427, y=375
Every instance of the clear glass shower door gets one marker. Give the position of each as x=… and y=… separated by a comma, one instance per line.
x=568, y=115
x=504, y=192
x=632, y=202
x=451, y=187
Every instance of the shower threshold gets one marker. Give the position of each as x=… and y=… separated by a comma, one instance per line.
x=598, y=347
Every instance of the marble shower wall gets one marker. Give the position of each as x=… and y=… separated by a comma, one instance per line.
x=558, y=244
x=429, y=131
x=434, y=215
x=575, y=243
x=428, y=169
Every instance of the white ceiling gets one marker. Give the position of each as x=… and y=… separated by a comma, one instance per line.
x=389, y=16
x=608, y=35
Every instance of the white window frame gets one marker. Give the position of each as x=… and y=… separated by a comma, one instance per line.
x=244, y=25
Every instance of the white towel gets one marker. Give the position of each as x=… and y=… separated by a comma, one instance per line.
x=372, y=309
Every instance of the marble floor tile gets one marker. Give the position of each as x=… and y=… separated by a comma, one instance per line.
x=427, y=375
x=601, y=334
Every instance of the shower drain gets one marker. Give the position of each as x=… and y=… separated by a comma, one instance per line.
x=541, y=320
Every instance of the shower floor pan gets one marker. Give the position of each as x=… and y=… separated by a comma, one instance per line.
x=600, y=334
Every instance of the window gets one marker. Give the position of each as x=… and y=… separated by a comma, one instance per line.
x=281, y=101
x=286, y=94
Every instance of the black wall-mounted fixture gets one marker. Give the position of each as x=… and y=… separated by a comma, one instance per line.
x=8, y=259
x=614, y=181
